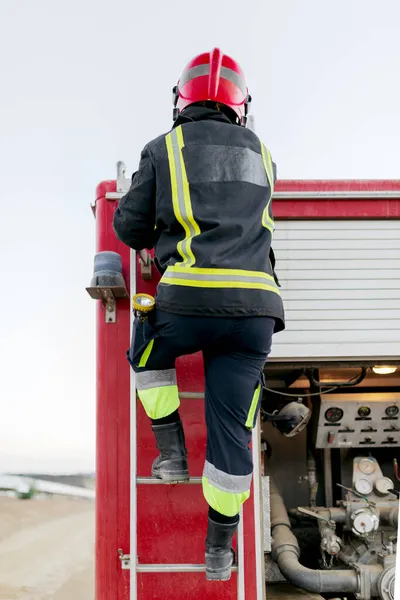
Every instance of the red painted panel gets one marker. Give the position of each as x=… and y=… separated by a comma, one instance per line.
x=325, y=208
x=344, y=208
x=112, y=455
x=103, y=188
x=172, y=523
x=184, y=586
x=192, y=414
x=337, y=185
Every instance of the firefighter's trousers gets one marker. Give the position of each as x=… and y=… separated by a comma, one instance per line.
x=234, y=351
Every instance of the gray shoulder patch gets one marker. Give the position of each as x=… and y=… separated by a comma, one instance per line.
x=212, y=163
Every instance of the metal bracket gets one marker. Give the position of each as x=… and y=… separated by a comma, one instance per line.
x=364, y=581
x=108, y=295
x=125, y=559
x=123, y=183
x=145, y=264
x=110, y=306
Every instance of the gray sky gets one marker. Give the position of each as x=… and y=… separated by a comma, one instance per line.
x=86, y=83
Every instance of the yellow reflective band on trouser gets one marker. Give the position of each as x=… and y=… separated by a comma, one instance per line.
x=267, y=222
x=219, y=278
x=181, y=195
x=145, y=356
x=226, y=503
x=252, y=411
x=159, y=402
x=225, y=493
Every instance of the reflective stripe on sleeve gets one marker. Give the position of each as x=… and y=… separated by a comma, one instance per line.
x=267, y=221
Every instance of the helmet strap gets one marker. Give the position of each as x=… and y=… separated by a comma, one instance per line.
x=175, y=95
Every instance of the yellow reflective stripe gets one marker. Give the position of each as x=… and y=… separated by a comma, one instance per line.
x=186, y=192
x=174, y=190
x=226, y=503
x=220, y=284
x=177, y=268
x=254, y=403
x=218, y=278
x=269, y=169
x=159, y=402
x=145, y=356
x=267, y=222
x=181, y=195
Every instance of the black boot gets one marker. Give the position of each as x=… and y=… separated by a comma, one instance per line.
x=219, y=553
x=171, y=466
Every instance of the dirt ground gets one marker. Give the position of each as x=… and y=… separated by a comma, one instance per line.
x=46, y=549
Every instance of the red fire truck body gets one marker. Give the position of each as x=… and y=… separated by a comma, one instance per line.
x=150, y=537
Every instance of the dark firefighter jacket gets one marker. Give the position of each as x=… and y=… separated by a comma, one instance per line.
x=202, y=198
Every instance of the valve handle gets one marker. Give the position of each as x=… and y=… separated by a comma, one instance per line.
x=311, y=513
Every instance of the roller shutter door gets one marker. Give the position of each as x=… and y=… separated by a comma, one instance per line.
x=341, y=288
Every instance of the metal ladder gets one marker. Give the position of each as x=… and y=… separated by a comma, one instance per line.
x=130, y=561
x=182, y=568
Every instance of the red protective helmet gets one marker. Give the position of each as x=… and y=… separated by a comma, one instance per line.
x=215, y=77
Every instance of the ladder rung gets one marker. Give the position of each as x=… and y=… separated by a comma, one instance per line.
x=154, y=481
x=164, y=568
x=191, y=395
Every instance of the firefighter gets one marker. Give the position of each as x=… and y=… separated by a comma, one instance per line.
x=202, y=198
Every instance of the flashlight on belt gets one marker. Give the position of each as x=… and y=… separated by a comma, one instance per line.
x=142, y=304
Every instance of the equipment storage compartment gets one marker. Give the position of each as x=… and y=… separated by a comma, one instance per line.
x=340, y=276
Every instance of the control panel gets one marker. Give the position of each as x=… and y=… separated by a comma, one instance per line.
x=359, y=420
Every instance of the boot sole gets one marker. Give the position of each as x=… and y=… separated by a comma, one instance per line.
x=222, y=573
x=171, y=478
x=218, y=576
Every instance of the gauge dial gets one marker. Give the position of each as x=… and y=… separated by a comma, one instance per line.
x=364, y=411
x=333, y=414
x=392, y=411
x=363, y=486
x=367, y=466
x=383, y=485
